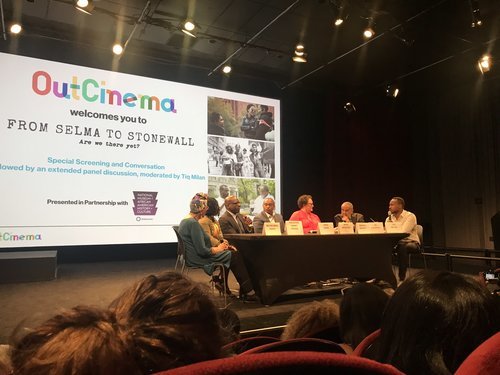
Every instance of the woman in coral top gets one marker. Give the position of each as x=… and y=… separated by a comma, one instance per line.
x=309, y=220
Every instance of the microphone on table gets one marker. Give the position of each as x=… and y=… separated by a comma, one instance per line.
x=389, y=215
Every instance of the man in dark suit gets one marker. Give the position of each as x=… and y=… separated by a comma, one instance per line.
x=267, y=216
x=347, y=215
x=232, y=222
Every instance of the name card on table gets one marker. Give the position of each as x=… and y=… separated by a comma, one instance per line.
x=271, y=229
x=392, y=227
x=370, y=228
x=294, y=228
x=345, y=228
x=326, y=228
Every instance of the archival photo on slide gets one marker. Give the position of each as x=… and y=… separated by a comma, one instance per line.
x=240, y=157
x=249, y=191
x=234, y=118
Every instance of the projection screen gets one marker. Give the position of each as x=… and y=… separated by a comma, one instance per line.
x=90, y=157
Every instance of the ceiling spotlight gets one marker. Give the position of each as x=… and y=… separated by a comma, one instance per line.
x=15, y=28
x=475, y=13
x=188, y=28
x=226, y=69
x=339, y=21
x=85, y=6
x=300, y=59
x=368, y=33
x=300, y=55
x=117, y=49
x=339, y=12
x=484, y=64
x=349, y=107
x=392, y=91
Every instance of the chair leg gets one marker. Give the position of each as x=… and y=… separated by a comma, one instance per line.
x=223, y=275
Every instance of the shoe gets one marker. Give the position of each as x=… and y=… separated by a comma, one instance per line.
x=219, y=285
x=249, y=297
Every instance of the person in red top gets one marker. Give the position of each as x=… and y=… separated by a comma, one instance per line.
x=309, y=220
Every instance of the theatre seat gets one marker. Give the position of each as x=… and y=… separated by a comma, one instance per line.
x=366, y=343
x=242, y=345
x=484, y=360
x=287, y=363
x=300, y=344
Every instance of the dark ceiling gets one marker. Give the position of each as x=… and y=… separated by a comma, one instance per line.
x=415, y=39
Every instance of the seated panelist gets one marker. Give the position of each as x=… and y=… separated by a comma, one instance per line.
x=232, y=222
x=268, y=215
x=347, y=215
x=305, y=215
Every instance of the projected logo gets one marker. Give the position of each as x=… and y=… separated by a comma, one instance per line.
x=93, y=91
x=6, y=236
x=145, y=203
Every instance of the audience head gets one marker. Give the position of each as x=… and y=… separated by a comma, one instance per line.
x=318, y=320
x=434, y=321
x=269, y=206
x=305, y=202
x=346, y=209
x=233, y=204
x=5, y=365
x=172, y=322
x=198, y=203
x=230, y=324
x=223, y=191
x=396, y=205
x=213, y=207
x=361, y=311
x=83, y=340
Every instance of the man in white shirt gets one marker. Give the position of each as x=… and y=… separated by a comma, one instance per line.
x=223, y=194
x=259, y=201
x=267, y=216
x=408, y=224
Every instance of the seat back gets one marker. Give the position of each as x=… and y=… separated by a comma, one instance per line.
x=420, y=234
x=294, y=363
x=247, y=343
x=485, y=359
x=181, y=253
x=366, y=343
x=300, y=344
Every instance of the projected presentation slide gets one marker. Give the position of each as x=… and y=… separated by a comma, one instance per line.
x=91, y=157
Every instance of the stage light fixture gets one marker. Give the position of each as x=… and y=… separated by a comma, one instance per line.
x=15, y=28
x=484, y=64
x=117, y=49
x=368, y=33
x=227, y=69
x=392, y=91
x=475, y=13
x=299, y=55
x=339, y=12
x=85, y=6
x=349, y=107
x=188, y=28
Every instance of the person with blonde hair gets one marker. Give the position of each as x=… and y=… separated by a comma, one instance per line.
x=315, y=320
x=83, y=340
